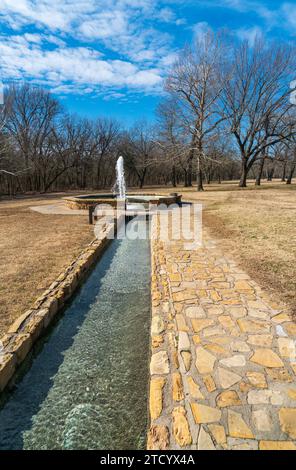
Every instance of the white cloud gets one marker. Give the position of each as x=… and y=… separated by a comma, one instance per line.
x=63, y=41
x=43, y=12
x=114, y=96
x=107, y=44
x=200, y=30
x=166, y=14
x=288, y=11
x=249, y=34
x=81, y=67
x=90, y=17
x=104, y=25
x=270, y=14
x=50, y=38
x=168, y=60
x=36, y=38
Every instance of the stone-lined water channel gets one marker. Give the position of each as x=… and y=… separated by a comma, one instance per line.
x=87, y=386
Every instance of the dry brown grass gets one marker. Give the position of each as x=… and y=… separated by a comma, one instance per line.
x=256, y=226
x=34, y=248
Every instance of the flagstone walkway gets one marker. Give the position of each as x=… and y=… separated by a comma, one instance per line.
x=223, y=355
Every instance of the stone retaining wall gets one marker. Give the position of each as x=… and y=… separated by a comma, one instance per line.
x=76, y=203
x=31, y=325
x=83, y=203
x=162, y=342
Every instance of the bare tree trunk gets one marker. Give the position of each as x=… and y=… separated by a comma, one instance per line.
x=270, y=174
x=260, y=171
x=189, y=173
x=98, y=173
x=185, y=179
x=199, y=175
x=244, y=174
x=208, y=175
x=142, y=178
x=291, y=174
x=284, y=172
x=174, y=176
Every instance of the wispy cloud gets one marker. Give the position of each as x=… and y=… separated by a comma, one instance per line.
x=249, y=34
x=289, y=13
x=200, y=30
x=114, y=47
x=272, y=13
x=140, y=53
x=81, y=66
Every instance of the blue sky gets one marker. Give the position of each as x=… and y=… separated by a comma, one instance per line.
x=110, y=57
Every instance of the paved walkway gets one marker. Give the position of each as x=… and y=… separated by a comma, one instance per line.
x=223, y=355
x=59, y=208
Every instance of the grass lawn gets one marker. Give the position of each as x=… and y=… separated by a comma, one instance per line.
x=34, y=248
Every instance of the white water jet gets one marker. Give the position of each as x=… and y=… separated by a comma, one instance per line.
x=120, y=187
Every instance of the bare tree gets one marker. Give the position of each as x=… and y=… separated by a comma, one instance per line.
x=193, y=83
x=29, y=123
x=4, y=136
x=106, y=131
x=138, y=148
x=256, y=99
x=173, y=141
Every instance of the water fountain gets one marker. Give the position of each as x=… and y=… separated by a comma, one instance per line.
x=120, y=187
x=119, y=192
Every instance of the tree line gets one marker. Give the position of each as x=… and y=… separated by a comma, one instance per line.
x=226, y=114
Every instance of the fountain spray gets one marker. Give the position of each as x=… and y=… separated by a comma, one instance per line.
x=120, y=187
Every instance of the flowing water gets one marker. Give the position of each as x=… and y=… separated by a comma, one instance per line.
x=87, y=387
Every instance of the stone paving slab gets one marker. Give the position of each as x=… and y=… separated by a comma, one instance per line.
x=59, y=208
x=223, y=358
